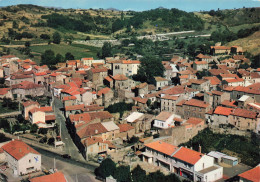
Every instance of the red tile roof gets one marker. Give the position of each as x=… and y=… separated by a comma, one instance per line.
x=188, y=155
x=18, y=149
x=69, y=98
x=28, y=103
x=92, y=130
x=50, y=117
x=26, y=85
x=220, y=47
x=244, y=113
x=141, y=100
x=55, y=177
x=92, y=140
x=223, y=111
x=125, y=127
x=120, y=77
x=42, y=109
x=195, y=121
x=197, y=103
x=74, y=107
x=99, y=70
x=101, y=114
x=80, y=117
x=162, y=147
x=164, y=115
x=170, y=97
x=108, y=78
x=229, y=103
x=94, y=107
x=4, y=91
x=131, y=62
x=103, y=91
x=252, y=175
x=200, y=62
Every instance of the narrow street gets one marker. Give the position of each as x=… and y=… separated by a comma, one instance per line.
x=69, y=147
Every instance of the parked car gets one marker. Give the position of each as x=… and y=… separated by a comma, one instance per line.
x=100, y=159
x=66, y=156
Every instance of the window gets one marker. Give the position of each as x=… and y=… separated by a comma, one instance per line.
x=30, y=161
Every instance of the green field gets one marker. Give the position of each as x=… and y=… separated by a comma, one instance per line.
x=78, y=50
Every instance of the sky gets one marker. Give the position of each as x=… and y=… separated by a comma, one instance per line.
x=140, y=5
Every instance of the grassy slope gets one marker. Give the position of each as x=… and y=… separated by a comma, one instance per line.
x=79, y=51
x=249, y=44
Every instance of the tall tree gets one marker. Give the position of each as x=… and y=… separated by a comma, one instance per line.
x=48, y=58
x=122, y=174
x=149, y=68
x=106, y=168
x=69, y=56
x=138, y=174
x=106, y=50
x=56, y=38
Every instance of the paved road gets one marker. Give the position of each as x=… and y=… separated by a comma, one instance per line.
x=72, y=169
x=70, y=148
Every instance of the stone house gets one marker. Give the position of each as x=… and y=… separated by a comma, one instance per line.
x=27, y=88
x=165, y=120
x=126, y=131
x=221, y=116
x=160, y=82
x=244, y=119
x=69, y=101
x=192, y=108
x=6, y=93
x=141, y=89
x=21, y=158
x=200, y=65
x=244, y=101
x=44, y=117
x=141, y=102
x=73, y=109
x=202, y=84
x=215, y=50
x=96, y=145
x=121, y=82
x=141, y=122
x=206, y=58
x=215, y=97
x=97, y=75
x=27, y=106
x=125, y=67
x=168, y=103
x=106, y=95
x=19, y=78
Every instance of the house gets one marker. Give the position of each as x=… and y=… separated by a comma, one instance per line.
x=192, y=108
x=121, y=82
x=21, y=158
x=27, y=106
x=141, y=102
x=200, y=65
x=90, y=61
x=216, y=50
x=165, y=120
x=126, y=131
x=168, y=103
x=97, y=75
x=105, y=95
x=221, y=116
x=202, y=84
x=96, y=145
x=27, y=88
x=125, y=67
x=244, y=119
x=206, y=58
x=6, y=93
x=141, y=89
x=183, y=161
x=215, y=97
x=141, y=122
x=44, y=117
x=69, y=101
x=57, y=176
x=74, y=109
x=160, y=82
x=250, y=175
x=243, y=101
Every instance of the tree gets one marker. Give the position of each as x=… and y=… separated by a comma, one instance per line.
x=56, y=38
x=27, y=44
x=149, y=68
x=122, y=174
x=59, y=58
x=87, y=38
x=48, y=58
x=134, y=139
x=15, y=24
x=69, y=56
x=45, y=36
x=34, y=128
x=138, y=174
x=106, y=50
x=106, y=168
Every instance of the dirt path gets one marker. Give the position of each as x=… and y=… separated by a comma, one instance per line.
x=14, y=46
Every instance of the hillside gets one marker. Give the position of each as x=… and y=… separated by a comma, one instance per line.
x=249, y=44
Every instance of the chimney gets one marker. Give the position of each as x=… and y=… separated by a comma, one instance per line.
x=199, y=149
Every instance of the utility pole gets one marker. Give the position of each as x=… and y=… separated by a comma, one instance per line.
x=87, y=149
